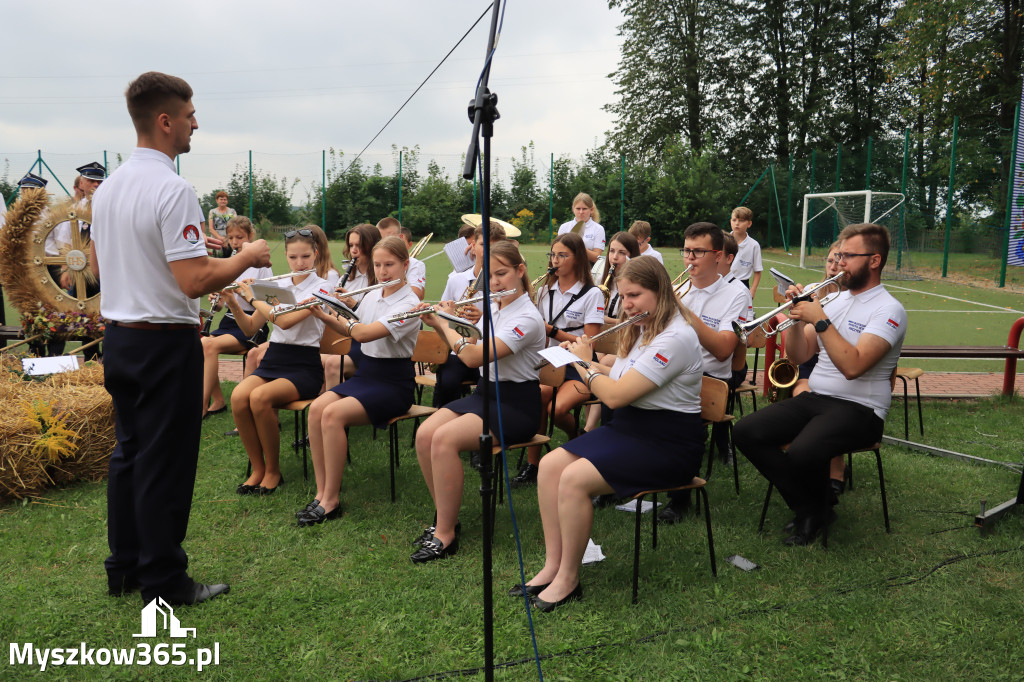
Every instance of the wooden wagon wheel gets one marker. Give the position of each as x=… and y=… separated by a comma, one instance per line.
x=76, y=259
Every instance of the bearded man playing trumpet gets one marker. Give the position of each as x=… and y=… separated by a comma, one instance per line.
x=850, y=388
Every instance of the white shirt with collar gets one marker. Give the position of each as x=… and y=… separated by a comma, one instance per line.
x=671, y=360
x=375, y=307
x=748, y=259
x=874, y=311
x=250, y=273
x=718, y=305
x=742, y=289
x=593, y=233
x=145, y=216
x=519, y=326
x=457, y=284
x=309, y=331
x=653, y=253
x=417, y=274
x=586, y=309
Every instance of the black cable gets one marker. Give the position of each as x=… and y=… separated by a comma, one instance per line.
x=418, y=87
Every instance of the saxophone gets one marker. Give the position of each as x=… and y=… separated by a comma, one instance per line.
x=783, y=375
x=605, y=289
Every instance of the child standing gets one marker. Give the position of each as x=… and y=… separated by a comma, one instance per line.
x=641, y=229
x=747, y=266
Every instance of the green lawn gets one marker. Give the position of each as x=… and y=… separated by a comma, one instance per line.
x=933, y=600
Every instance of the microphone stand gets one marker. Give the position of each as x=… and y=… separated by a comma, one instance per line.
x=483, y=112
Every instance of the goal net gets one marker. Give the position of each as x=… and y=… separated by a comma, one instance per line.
x=825, y=215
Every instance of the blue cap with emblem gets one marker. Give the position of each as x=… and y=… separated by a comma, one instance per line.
x=93, y=171
x=31, y=181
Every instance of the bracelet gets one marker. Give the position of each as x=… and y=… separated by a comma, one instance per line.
x=252, y=301
x=591, y=375
x=554, y=332
x=351, y=324
x=459, y=345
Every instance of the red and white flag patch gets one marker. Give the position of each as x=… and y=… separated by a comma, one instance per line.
x=893, y=323
x=661, y=359
x=517, y=332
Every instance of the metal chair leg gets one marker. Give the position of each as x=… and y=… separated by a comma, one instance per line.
x=764, y=509
x=636, y=549
x=701, y=492
x=881, y=485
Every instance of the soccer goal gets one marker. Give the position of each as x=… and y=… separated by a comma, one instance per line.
x=826, y=214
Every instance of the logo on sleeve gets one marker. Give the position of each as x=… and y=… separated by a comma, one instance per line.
x=517, y=332
x=893, y=323
x=600, y=308
x=191, y=234
x=661, y=359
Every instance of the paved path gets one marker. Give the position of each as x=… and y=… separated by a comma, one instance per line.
x=933, y=384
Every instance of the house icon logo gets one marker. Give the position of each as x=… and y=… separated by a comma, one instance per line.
x=160, y=610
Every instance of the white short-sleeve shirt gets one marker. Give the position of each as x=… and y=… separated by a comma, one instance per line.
x=586, y=309
x=417, y=274
x=250, y=273
x=748, y=259
x=144, y=217
x=457, y=284
x=742, y=290
x=718, y=306
x=673, y=362
x=874, y=311
x=655, y=254
x=358, y=280
x=520, y=327
x=332, y=278
x=593, y=233
x=376, y=308
x=309, y=331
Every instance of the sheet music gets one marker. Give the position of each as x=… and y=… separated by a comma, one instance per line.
x=558, y=356
x=456, y=252
x=782, y=281
x=272, y=293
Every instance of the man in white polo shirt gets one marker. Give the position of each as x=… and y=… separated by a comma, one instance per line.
x=149, y=249
x=714, y=305
x=850, y=386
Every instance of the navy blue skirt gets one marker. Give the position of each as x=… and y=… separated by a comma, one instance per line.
x=298, y=364
x=520, y=409
x=644, y=449
x=383, y=386
x=229, y=327
x=355, y=353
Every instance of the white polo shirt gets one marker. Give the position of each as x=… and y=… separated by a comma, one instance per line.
x=718, y=306
x=417, y=274
x=593, y=233
x=748, y=259
x=457, y=284
x=376, y=308
x=874, y=311
x=520, y=327
x=332, y=278
x=250, y=273
x=309, y=331
x=358, y=280
x=653, y=253
x=748, y=315
x=144, y=217
x=586, y=309
x=673, y=362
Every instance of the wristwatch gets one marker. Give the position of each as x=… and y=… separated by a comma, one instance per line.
x=821, y=325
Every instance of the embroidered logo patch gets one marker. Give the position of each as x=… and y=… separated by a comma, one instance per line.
x=661, y=359
x=600, y=308
x=191, y=234
x=517, y=332
x=893, y=323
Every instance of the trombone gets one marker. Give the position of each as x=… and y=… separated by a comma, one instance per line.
x=682, y=286
x=415, y=250
x=469, y=301
x=745, y=330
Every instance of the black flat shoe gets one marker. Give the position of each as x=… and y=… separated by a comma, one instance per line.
x=308, y=508
x=674, y=512
x=434, y=549
x=808, y=528
x=269, y=491
x=245, y=489
x=526, y=476
x=549, y=606
x=210, y=413
x=318, y=515
x=428, y=533
x=531, y=590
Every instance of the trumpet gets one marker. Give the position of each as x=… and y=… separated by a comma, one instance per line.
x=285, y=309
x=614, y=329
x=681, y=286
x=744, y=330
x=415, y=251
x=429, y=311
x=232, y=287
x=604, y=285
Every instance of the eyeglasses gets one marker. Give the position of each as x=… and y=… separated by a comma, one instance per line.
x=304, y=232
x=557, y=256
x=696, y=253
x=846, y=256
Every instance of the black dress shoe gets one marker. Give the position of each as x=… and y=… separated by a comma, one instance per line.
x=434, y=549
x=318, y=515
x=602, y=501
x=531, y=590
x=196, y=593
x=549, y=606
x=526, y=476
x=809, y=527
x=674, y=512
x=117, y=587
x=308, y=508
x=246, y=489
x=269, y=491
x=429, y=531
x=837, y=487
x=474, y=461
x=210, y=413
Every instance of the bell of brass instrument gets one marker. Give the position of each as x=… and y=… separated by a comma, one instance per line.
x=783, y=375
x=603, y=286
x=535, y=283
x=764, y=322
x=415, y=250
x=679, y=285
x=471, y=289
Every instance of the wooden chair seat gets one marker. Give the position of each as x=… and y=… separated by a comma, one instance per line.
x=698, y=484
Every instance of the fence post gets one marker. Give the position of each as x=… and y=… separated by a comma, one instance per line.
x=903, y=209
x=323, y=189
x=177, y=164
x=105, y=167
x=1009, y=196
x=400, y=185
x=551, y=196
x=867, y=173
x=949, y=196
x=839, y=164
x=789, y=202
x=250, y=184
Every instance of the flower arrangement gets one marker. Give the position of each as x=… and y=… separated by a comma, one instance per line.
x=57, y=324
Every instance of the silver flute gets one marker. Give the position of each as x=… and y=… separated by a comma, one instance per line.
x=469, y=301
x=232, y=287
x=285, y=309
x=610, y=330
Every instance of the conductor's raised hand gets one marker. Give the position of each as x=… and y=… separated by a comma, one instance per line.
x=257, y=252
x=213, y=243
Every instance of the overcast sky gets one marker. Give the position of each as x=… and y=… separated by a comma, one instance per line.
x=288, y=80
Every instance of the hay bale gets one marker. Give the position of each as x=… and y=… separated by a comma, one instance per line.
x=60, y=430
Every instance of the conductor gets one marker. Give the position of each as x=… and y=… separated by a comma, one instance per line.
x=148, y=245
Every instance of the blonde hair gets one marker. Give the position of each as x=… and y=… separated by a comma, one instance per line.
x=743, y=213
x=641, y=229
x=395, y=244
x=589, y=203
x=508, y=253
x=649, y=274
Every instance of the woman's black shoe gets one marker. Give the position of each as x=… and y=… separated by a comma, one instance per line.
x=308, y=508
x=428, y=533
x=526, y=475
x=549, y=606
x=245, y=489
x=531, y=590
x=836, y=487
x=270, y=491
x=808, y=528
x=319, y=515
x=434, y=549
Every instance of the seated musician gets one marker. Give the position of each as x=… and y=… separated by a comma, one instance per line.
x=382, y=386
x=518, y=339
x=715, y=304
x=465, y=284
x=850, y=386
x=654, y=439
